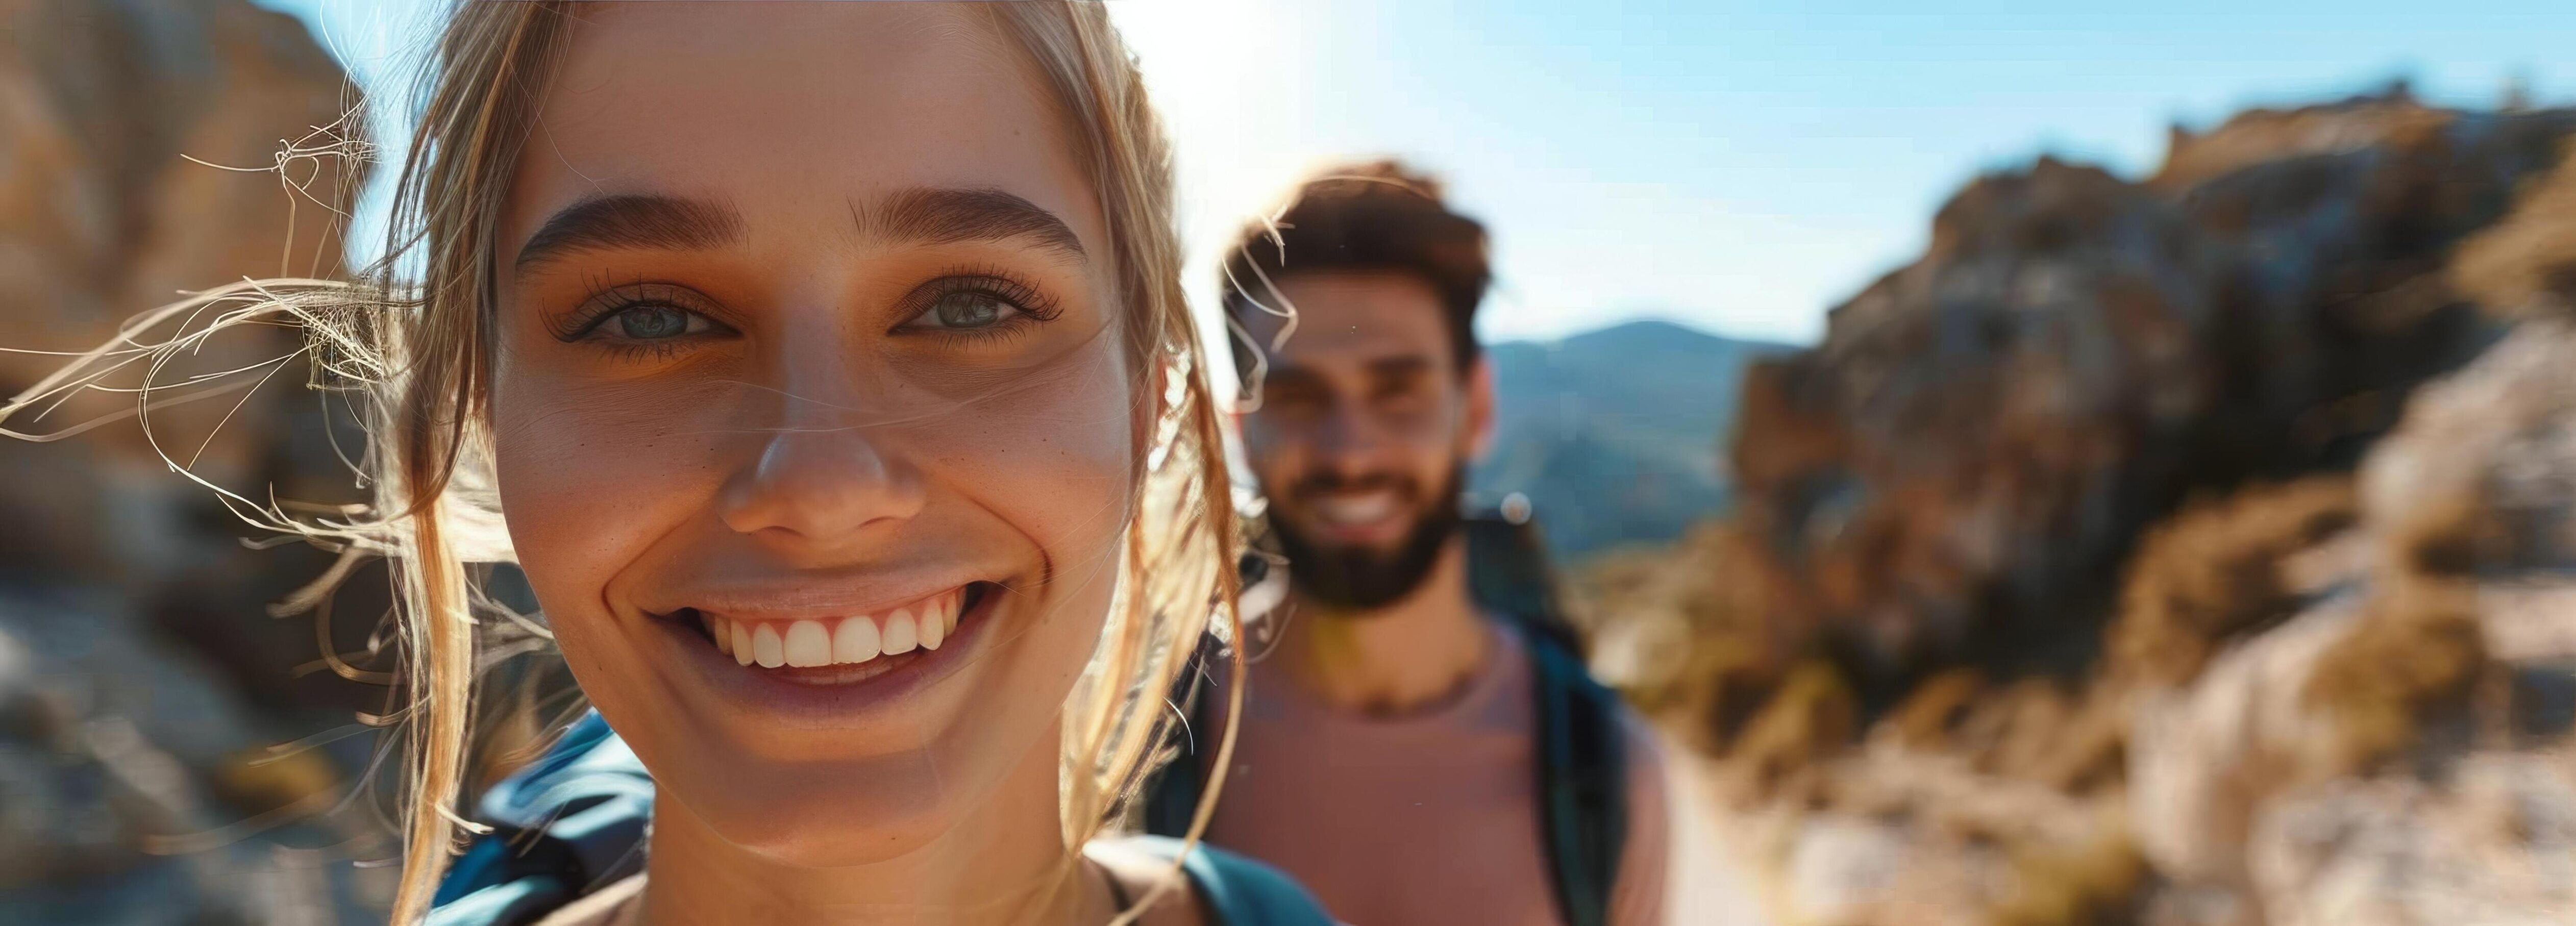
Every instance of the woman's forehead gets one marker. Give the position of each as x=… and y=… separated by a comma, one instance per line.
x=798, y=116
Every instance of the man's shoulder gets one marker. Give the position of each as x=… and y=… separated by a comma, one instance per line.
x=1644, y=749
x=1645, y=744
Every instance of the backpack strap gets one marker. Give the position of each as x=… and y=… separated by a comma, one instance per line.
x=1582, y=782
x=571, y=822
x=1172, y=794
x=1581, y=765
x=1237, y=891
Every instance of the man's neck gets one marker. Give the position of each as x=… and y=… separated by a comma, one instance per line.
x=1394, y=660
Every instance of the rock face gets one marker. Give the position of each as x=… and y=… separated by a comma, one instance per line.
x=2523, y=264
x=1972, y=451
x=2493, y=843
x=2397, y=751
x=2191, y=551
x=140, y=676
x=102, y=104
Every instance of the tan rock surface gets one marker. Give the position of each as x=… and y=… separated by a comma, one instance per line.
x=140, y=676
x=104, y=215
x=2194, y=551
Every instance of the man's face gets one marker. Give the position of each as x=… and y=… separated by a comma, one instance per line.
x=1364, y=426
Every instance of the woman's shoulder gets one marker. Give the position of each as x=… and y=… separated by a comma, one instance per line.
x=614, y=905
x=1227, y=889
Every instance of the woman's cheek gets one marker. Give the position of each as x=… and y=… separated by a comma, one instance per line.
x=588, y=477
x=1056, y=458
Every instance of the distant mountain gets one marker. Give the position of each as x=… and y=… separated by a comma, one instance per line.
x=1614, y=434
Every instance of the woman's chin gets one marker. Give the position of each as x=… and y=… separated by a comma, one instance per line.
x=826, y=766
x=834, y=819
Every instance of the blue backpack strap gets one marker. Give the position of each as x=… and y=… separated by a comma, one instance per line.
x=1171, y=795
x=1237, y=891
x=1582, y=782
x=1582, y=757
x=568, y=824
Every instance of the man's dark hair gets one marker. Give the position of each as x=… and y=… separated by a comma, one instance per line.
x=1379, y=215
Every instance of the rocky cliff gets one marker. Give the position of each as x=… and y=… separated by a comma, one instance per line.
x=2115, y=561
x=141, y=679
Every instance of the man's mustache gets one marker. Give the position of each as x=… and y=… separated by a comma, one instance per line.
x=1307, y=488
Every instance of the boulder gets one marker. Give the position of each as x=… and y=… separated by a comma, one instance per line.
x=1958, y=472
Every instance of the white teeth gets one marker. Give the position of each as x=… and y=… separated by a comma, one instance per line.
x=1360, y=509
x=934, y=625
x=900, y=634
x=808, y=644
x=855, y=641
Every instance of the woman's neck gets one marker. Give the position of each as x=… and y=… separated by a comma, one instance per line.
x=1004, y=863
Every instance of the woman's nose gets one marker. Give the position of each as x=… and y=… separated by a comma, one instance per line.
x=819, y=487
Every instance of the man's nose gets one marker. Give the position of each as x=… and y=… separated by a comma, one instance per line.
x=1348, y=440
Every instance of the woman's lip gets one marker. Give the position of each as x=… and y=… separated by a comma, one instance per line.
x=800, y=603
x=844, y=673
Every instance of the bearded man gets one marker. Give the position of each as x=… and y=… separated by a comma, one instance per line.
x=1408, y=754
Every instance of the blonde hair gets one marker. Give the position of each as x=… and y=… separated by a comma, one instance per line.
x=419, y=352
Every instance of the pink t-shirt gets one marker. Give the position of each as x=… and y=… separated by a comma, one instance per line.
x=1431, y=817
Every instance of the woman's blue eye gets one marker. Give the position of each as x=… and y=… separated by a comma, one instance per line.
x=968, y=309
x=652, y=322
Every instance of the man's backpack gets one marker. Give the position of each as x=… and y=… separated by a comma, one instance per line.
x=1581, y=759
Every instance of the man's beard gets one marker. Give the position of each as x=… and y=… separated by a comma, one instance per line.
x=1357, y=579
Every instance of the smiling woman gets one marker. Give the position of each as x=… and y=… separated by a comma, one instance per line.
x=825, y=370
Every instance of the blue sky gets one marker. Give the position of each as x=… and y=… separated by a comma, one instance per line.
x=1737, y=167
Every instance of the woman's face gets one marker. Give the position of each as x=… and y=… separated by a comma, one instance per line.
x=814, y=432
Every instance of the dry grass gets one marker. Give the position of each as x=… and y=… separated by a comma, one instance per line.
x=1926, y=720
x=2527, y=263
x=1811, y=715
x=2418, y=648
x=2094, y=884
x=2214, y=572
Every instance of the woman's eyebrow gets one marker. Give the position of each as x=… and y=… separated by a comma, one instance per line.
x=632, y=221
x=932, y=215
x=947, y=215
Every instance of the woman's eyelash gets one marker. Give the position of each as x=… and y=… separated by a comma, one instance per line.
x=1033, y=306
x=610, y=301
x=1001, y=284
